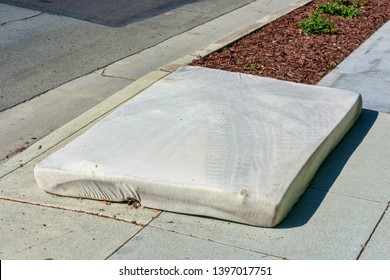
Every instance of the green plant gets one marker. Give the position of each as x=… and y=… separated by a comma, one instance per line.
x=316, y=23
x=344, y=8
x=252, y=66
x=331, y=64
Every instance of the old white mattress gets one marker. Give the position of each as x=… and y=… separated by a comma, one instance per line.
x=207, y=142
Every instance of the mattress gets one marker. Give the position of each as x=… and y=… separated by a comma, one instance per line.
x=207, y=142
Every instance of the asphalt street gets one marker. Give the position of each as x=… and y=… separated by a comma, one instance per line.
x=44, y=44
x=111, y=13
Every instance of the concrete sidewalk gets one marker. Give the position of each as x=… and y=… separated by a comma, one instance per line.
x=342, y=215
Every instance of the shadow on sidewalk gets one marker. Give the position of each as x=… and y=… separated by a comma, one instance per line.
x=327, y=174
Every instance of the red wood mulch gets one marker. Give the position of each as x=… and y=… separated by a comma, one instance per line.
x=281, y=50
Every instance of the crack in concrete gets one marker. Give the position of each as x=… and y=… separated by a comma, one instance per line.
x=21, y=19
x=103, y=74
x=128, y=240
x=373, y=231
x=188, y=10
x=313, y=187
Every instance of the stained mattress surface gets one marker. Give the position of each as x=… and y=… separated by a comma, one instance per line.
x=207, y=142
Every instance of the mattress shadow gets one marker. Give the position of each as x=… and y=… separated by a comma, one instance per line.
x=327, y=174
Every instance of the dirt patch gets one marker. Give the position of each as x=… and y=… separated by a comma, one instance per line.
x=283, y=51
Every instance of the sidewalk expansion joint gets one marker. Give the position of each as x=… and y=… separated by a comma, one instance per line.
x=131, y=237
x=21, y=19
x=74, y=211
x=123, y=244
x=373, y=231
x=217, y=242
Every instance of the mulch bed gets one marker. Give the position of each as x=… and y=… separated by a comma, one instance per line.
x=281, y=50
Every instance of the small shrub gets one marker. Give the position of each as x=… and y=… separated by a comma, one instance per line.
x=344, y=8
x=316, y=23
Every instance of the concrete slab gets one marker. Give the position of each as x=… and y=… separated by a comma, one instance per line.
x=374, y=91
x=151, y=244
x=322, y=226
x=371, y=63
x=207, y=142
x=35, y=232
x=378, y=247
